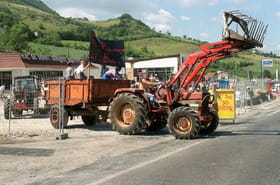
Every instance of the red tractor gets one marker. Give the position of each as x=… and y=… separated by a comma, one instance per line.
x=26, y=96
x=130, y=110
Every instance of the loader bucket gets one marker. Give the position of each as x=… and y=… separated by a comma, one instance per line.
x=251, y=33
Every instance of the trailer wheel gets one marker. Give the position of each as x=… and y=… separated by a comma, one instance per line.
x=127, y=113
x=183, y=123
x=89, y=120
x=54, y=116
x=7, y=109
x=211, y=126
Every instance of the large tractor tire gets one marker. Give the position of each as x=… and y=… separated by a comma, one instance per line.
x=89, y=120
x=7, y=105
x=183, y=123
x=210, y=126
x=54, y=116
x=127, y=113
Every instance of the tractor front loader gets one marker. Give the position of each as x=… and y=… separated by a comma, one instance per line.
x=131, y=111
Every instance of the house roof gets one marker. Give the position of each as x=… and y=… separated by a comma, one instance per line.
x=17, y=60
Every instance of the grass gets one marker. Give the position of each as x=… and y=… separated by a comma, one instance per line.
x=163, y=46
x=75, y=44
x=48, y=50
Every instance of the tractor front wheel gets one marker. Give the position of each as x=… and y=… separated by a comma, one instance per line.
x=55, y=118
x=183, y=123
x=127, y=114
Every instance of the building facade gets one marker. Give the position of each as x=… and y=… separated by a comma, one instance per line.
x=45, y=67
x=158, y=67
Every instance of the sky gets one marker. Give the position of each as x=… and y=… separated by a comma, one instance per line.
x=200, y=19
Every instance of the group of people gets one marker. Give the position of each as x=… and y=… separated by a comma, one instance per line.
x=78, y=73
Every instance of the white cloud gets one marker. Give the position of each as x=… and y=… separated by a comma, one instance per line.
x=185, y=18
x=162, y=27
x=162, y=16
x=75, y=13
x=277, y=14
x=161, y=20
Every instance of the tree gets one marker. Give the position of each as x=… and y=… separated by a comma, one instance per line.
x=15, y=38
x=267, y=74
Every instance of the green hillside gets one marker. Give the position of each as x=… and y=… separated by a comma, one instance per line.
x=33, y=3
x=61, y=36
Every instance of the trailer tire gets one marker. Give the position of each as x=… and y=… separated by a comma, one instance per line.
x=211, y=126
x=127, y=113
x=89, y=120
x=54, y=116
x=183, y=123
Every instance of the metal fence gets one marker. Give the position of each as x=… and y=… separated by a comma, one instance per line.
x=26, y=103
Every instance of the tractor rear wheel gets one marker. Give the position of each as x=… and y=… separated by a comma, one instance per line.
x=54, y=116
x=210, y=126
x=183, y=123
x=127, y=113
x=89, y=120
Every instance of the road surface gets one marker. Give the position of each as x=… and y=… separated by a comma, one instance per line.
x=245, y=153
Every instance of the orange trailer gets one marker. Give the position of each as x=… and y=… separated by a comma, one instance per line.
x=80, y=97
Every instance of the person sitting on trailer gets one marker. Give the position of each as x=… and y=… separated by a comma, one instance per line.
x=79, y=71
x=69, y=71
x=112, y=74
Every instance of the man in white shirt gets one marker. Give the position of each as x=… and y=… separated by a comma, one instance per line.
x=79, y=71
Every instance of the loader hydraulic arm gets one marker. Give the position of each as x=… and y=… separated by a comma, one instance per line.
x=194, y=67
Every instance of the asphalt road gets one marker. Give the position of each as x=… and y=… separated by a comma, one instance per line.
x=245, y=153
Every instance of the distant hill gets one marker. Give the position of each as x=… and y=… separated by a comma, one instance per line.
x=70, y=36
